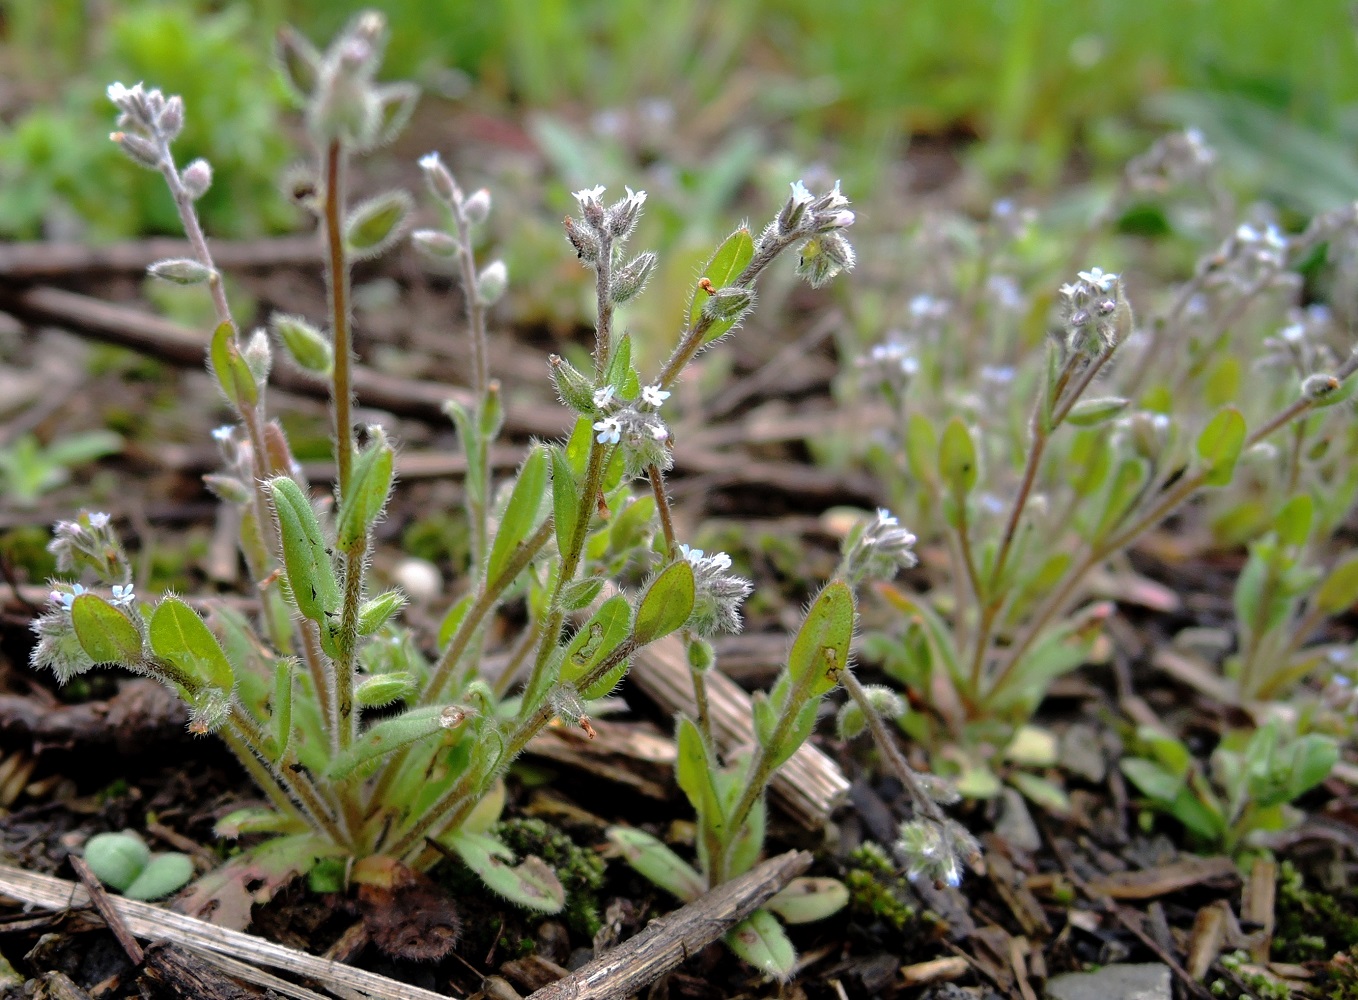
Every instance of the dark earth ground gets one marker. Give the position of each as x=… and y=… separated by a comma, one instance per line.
x=1061, y=893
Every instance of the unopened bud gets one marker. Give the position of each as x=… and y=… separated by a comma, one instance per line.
x=586, y=243
x=632, y=278
x=701, y=655
x=258, y=356
x=492, y=282
x=824, y=256
x=171, y=118
x=728, y=304
x=1319, y=386
x=575, y=390
x=181, y=270
x=440, y=181
x=309, y=348
x=436, y=243
x=622, y=216
x=141, y=151
x=476, y=209
x=794, y=209
x=227, y=488
x=197, y=178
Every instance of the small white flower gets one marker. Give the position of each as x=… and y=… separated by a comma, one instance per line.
x=800, y=194
x=603, y=397
x=886, y=518
x=588, y=195
x=430, y=161
x=692, y=555
x=1096, y=277
x=99, y=520
x=610, y=430
x=638, y=198
x=223, y=434
x=720, y=561
x=655, y=396
x=122, y=595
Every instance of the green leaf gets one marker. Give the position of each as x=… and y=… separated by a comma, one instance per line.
x=255, y=819
x=163, y=874
x=565, y=500
x=233, y=374
x=1087, y=462
x=694, y=770
x=657, y=863
x=117, y=858
x=180, y=636
x=1044, y=793
x=105, y=633
x=596, y=639
x=1152, y=780
x=448, y=627
x=389, y=735
x=282, y=707
x=531, y=884
x=666, y=605
x=366, y=495
x=1092, y=412
x=1339, y=592
x=632, y=526
x=1123, y=493
x=760, y=940
x=521, y=514
x=821, y=648
x=957, y=458
x=921, y=448
x=1219, y=446
x=805, y=899
x=1313, y=757
x=311, y=575
x=620, y=374
x=1293, y=523
x=376, y=224
x=725, y=266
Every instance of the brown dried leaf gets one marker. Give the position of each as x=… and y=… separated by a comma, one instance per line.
x=409, y=916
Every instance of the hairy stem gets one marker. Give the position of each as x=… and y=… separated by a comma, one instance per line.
x=337, y=285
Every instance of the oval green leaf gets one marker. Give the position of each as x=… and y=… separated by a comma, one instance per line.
x=105, y=633
x=666, y=605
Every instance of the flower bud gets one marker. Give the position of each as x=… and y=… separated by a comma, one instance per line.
x=701, y=655
x=227, y=488
x=258, y=356
x=141, y=151
x=824, y=256
x=632, y=278
x=309, y=348
x=436, y=243
x=622, y=215
x=1317, y=387
x=590, y=206
x=586, y=243
x=476, y=209
x=440, y=181
x=492, y=282
x=180, y=270
x=729, y=303
x=197, y=178
x=170, y=121
x=575, y=390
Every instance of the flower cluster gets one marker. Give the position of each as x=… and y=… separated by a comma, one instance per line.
x=1177, y=159
x=89, y=542
x=719, y=592
x=878, y=549
x=1089, y=307
x=937, y=850
x=1252, y=257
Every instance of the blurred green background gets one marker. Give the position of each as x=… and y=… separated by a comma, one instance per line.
x=1026, y=92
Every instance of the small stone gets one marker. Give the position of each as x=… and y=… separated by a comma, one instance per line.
x=1148, y=981
x=1082, y=753
x=419, y=578
x=1015, y=823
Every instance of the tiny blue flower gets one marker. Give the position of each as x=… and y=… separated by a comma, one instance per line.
x=653, y=395
x=610, y=430
x=603, y=397
x=99, y=520
x=122, y=595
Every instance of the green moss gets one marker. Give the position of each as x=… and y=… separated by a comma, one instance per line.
x=438, y=537
x=581, y=871
x=25, y=548
x=1313, y=925
x=876, y=890
x=1340, y=980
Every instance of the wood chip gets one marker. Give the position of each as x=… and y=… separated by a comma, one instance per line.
x=1257, y=905
x=1165, y=879
x=938, y=970
x=1206, y=940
